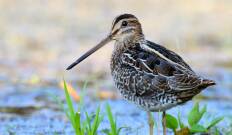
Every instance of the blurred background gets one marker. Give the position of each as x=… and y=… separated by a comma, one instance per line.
x=40, y=38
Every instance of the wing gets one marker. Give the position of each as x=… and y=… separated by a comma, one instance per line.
x=168, y=54
x=155, y=74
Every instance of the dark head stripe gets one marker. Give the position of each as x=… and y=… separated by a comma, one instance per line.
x=123, y=16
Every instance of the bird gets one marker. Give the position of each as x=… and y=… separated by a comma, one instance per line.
x=145, y=73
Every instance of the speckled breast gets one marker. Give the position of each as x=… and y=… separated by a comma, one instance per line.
x=130, y=81
x=126, y=78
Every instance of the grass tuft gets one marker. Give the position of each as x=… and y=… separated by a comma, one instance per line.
x=85, y=127
x=91, y=123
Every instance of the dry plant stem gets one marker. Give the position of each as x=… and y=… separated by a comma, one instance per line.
x=164, y=123
x=150, y=122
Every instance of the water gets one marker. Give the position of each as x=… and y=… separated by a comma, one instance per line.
x=29, y=112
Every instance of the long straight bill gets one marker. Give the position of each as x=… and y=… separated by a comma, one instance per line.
x=91, y=51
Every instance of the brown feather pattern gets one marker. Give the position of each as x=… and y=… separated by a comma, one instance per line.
x=152, y=82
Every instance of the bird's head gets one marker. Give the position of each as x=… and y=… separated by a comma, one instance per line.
x=124, y=27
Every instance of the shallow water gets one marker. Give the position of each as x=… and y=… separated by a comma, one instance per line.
x=29, y=112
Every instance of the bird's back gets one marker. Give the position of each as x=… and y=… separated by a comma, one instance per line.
x=154, y=77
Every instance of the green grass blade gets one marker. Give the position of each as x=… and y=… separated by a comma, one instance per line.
x=73, y=117
x=88, y=123
x=111, y=119
x=214, y=122
x=181, y=124
x=119, y=130
x=198, y=129
x=77, y=120
x=192, y=119
x=97, y=121
x=195, y=114
x=171, y=122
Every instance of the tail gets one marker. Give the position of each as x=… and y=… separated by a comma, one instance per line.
x=206, y=83
x=187, y=95
x=209, y=82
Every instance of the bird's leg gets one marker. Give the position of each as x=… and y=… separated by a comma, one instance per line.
x=164, y=122
x=150, y=122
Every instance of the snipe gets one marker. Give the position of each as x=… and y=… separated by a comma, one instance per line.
x=146, y=73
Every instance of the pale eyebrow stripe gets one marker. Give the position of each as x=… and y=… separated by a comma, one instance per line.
x=125, y=19
x=123, y=16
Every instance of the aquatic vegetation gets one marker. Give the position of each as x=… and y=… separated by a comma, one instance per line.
x=90, y=124
x=194, y=117
x=85, y=126
x=113, y=126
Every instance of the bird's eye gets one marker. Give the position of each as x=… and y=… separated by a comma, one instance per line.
x=124, y=23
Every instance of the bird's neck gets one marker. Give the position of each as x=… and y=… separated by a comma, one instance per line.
x=124, y=44
x=120, y=47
